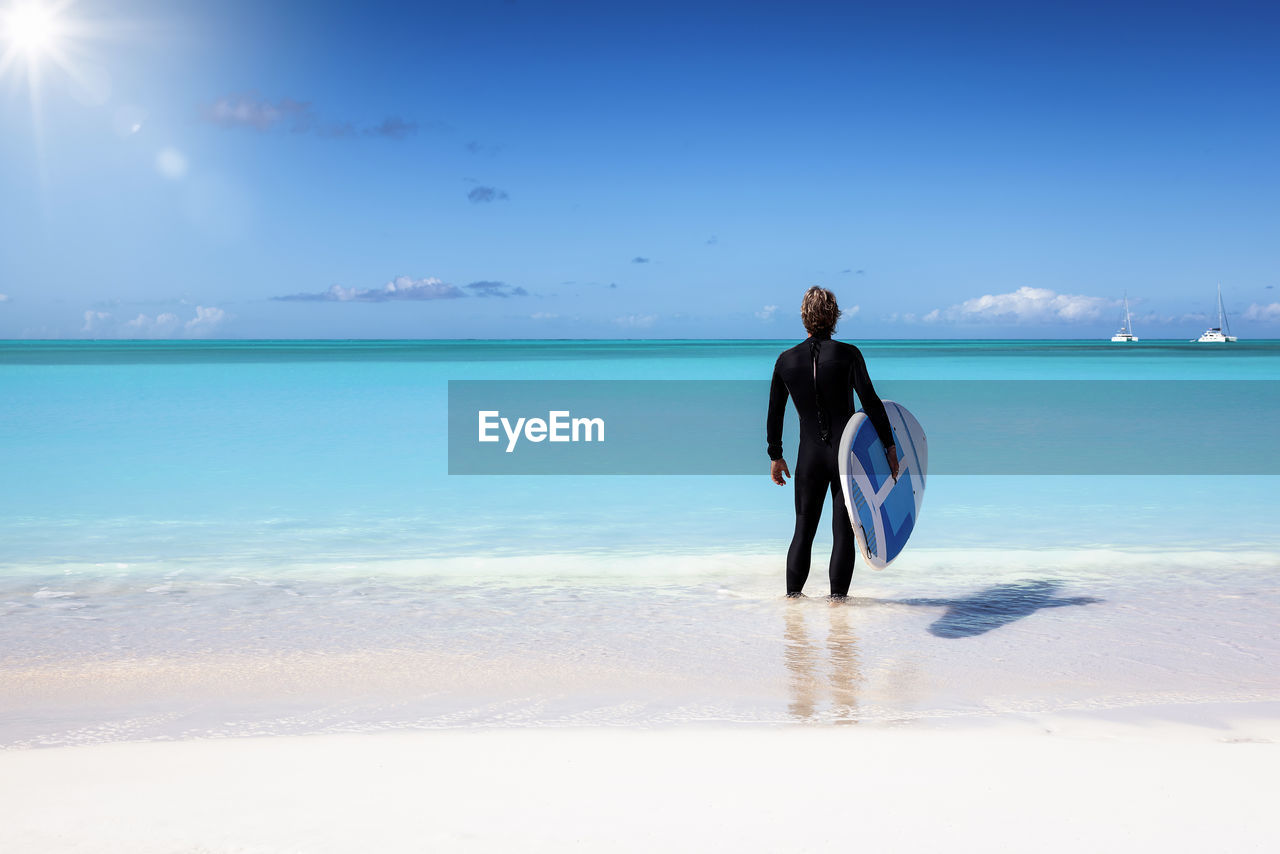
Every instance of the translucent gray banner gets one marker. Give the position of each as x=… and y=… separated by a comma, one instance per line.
x=1050, y=427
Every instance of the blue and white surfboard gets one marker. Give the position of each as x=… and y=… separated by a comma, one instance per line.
x=883, y=511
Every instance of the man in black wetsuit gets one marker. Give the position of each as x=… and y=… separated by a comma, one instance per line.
x=821, y=376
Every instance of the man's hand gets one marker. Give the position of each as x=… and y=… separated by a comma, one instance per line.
x=892, y=455
x=777, y=469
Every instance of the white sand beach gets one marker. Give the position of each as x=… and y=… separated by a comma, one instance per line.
x=1053, y=784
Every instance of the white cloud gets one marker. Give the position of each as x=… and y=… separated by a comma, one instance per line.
x=399, y=288
x=1265, y=313
x=495, y=289
x=103, y=324
x=160, y=326
x=252, y=111
x=543, y=315
x=1025, y=305
x=93, y=320
x=205, y=320
x=171, y=163
x=248, y=111
x=767, y=312
x=851, y=311
x=4, y=297
x=636, y=321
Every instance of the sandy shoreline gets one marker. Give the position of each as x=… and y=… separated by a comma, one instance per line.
x=966, y=710
x=257, y=660
x=1057, y=784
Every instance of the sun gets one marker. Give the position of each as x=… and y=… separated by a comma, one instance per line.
x=31, y=28
x=37, y=36
x=46, y=41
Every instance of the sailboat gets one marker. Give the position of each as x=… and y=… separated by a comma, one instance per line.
x=1126, y=326
x=1220, y=334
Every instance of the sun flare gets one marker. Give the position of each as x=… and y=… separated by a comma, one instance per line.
x=38, y=37
x=31, y=28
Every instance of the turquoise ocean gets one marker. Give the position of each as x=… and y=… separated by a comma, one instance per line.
x=238, y=516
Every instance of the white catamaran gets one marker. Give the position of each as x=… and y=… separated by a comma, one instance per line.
x=1220, y=334
x=1126, y=325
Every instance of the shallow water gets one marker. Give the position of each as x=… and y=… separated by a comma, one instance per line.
x=90, y=659
x=270, y=453
x=245, y=537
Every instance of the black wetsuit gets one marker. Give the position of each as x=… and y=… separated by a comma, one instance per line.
x=820, y=375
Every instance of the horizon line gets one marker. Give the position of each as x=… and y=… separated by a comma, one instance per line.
x=212, y=340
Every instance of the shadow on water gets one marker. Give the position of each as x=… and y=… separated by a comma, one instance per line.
x=824, y=668
x=994, y=607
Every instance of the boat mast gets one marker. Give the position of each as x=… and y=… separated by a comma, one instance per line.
x=1222, y=314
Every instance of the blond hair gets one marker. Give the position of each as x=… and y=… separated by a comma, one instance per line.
x=819, y=312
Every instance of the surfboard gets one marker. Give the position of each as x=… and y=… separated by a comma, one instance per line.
x=883, y=511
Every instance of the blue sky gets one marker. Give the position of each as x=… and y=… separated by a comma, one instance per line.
x=539, y=169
